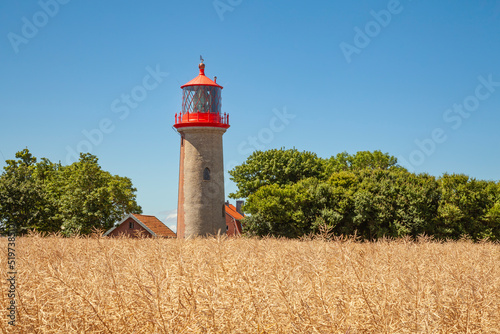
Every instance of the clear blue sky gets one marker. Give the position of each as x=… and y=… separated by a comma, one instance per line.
x=417, y=79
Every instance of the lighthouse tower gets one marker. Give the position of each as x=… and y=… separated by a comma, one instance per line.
x=201, y=124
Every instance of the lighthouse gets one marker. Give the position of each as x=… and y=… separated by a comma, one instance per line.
x=201, y=124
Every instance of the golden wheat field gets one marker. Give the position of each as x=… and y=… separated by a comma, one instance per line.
x=239, y=285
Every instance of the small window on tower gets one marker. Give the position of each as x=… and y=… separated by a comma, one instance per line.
x=131, y=225
x=206, y=174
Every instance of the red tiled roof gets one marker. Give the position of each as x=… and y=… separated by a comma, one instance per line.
x=155, y=225
x=231, y=210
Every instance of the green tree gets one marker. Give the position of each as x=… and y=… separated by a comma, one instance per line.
x=467, y=206
x=275, y=211
x=291, y=193
x=394, y=203
x=370, y=203
x=291, y=210
x=92, y=198
x=295, y=210
x=49, y=197
x=23, y=204
x=361, y=160
x=274, y=167
x=492, y=223
x=492, y=217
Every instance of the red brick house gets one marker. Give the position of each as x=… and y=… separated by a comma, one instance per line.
x=135, y=225
x=233, y=219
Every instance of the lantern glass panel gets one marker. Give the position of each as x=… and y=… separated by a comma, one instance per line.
x=201, y=99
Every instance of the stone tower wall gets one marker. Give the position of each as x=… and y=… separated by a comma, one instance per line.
x=201, y=209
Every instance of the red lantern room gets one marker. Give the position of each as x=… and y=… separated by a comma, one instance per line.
x=201, y=103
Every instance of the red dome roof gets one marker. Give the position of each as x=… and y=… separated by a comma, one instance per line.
x=201, y=79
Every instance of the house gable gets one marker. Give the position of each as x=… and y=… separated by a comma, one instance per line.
x=135, y=225
x=130, y=226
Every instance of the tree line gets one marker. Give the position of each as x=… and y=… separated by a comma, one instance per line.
x=291, y=194
x=74, y=199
